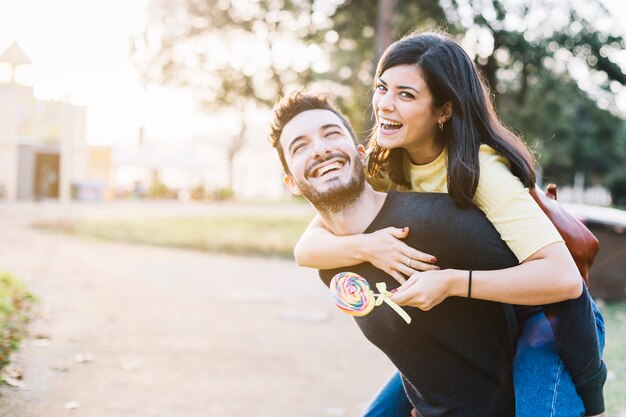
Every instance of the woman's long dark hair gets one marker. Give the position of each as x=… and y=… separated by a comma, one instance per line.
x=451, y=76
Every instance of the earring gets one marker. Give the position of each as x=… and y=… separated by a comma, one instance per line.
x=440, y=126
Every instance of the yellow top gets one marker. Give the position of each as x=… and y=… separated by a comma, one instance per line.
x=500, y=195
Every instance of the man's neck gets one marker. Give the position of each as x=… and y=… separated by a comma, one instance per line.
x=356, y=217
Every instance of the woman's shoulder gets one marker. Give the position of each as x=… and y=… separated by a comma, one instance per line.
x=490, y=158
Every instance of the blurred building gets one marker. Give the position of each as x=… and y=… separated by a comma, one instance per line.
x=43, y=150
x=190, y=166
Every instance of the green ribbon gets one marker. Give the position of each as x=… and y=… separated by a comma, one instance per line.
x=384, y=296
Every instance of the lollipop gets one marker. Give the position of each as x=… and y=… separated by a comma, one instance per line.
x=352, y=294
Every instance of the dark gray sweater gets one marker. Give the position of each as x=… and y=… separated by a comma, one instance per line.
x=456, y=359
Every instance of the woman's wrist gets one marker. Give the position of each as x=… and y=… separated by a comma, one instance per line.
x=357, y=246
x=458, y=282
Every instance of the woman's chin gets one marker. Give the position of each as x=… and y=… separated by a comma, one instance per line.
x=388, y=141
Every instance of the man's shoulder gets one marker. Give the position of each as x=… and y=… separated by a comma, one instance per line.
x=439, y=227
x=414, y=197
x=425, y=205
x=432, y=212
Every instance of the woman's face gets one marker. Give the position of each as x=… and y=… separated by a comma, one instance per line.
x=404, y=110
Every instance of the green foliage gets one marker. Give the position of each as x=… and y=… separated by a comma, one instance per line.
x=616, y=183
x=223, y=194
x=15, y=308
x=569, y=131
x=158, y=190
x=231, y=52
x=534, y=44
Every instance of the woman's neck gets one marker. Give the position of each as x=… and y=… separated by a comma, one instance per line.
x=425, y=153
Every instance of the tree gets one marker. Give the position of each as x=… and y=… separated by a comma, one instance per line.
x=510, y=55
x=536, y=92
x=246, y=53
x=569, y=131
x=525, y=54
x=541, y=42
x=239, y=55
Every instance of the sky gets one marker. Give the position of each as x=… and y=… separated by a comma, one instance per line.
x=80, y=49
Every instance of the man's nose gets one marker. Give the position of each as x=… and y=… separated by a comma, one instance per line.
x=320, y=148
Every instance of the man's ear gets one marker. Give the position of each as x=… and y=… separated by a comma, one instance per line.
x=362, y=154
x=291, y=184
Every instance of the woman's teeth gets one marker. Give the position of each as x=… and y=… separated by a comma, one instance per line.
x=389, y=124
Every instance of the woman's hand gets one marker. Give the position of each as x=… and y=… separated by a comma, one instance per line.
x=425, y=290
x=386, y=251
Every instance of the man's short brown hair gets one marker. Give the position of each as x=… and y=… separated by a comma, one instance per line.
x=292, y=105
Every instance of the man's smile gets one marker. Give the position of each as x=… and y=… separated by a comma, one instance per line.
x=325, y=167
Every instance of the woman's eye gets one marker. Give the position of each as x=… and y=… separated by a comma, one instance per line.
x=333, y=132
x=406, y=95
x=380, y=87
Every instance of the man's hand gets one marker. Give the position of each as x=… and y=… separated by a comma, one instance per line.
x=425, y=290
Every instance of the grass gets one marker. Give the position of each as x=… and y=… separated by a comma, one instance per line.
x=615, y=357
x=241, y=235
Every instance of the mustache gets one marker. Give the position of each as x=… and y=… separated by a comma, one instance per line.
x=334, y=155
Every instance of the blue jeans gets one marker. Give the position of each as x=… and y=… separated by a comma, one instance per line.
x=543, y=387
x=390, y=401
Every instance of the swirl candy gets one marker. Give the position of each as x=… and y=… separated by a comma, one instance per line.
x=352, y=294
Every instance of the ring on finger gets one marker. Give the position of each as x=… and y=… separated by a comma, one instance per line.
x=408, y=262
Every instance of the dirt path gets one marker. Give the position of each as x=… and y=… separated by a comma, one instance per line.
x=140, y=331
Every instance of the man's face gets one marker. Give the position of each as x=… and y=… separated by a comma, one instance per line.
x=325, y=165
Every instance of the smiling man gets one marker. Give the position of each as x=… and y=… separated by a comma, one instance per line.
x=456, y=358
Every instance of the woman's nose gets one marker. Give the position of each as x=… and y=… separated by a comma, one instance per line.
x=386, y=102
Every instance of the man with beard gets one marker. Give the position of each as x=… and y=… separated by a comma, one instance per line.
x=456, y=354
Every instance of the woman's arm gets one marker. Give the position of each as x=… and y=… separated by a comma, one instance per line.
x=548, y=276
x=319, y=248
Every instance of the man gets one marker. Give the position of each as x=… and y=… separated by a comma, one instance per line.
x=456, y=358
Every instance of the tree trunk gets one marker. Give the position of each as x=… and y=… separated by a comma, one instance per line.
x=385, y=33
x=233, y=147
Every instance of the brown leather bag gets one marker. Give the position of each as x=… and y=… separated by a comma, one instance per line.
x=582, y=244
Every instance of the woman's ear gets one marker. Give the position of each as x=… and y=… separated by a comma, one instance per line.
x=445, y=112
x=291, y=184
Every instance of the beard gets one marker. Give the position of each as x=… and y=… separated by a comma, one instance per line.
x=337, y=197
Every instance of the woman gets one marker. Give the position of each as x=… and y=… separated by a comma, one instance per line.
x=437, y=131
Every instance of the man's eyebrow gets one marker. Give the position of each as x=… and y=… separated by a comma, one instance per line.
x=329, y=125
x=294, y=141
